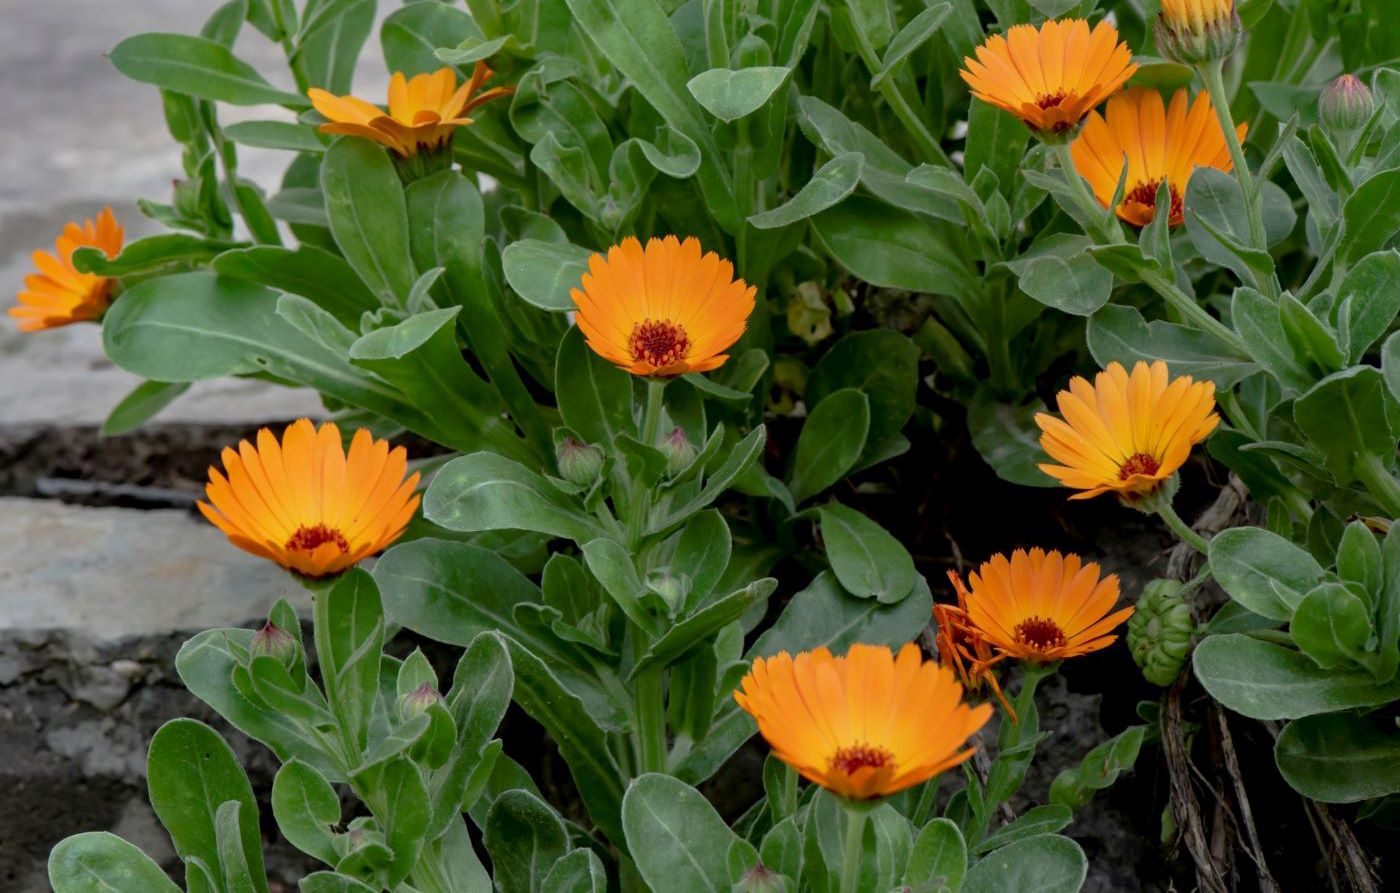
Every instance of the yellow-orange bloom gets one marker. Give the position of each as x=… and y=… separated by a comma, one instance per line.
x=864, y=725
x=1126, y=434
x=1196, y=15
x=1050, y=77
x=423, y=110
x=56, y=294
x=1159, y=143
x=663, y=310
x=1042, y=606
x=307, y=505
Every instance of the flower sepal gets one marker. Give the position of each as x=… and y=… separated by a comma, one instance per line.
x=1198, y=32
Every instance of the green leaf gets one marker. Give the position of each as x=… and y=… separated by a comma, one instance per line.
x=865, y=558
x=1348, y=418
x=1340, y=757
x=577, y=871
x=276, y=135
x=324, y=278
x=892, y=248
x=1120, y=333
x=675, y=836
x=190, y=772
x=1331, y=625
x=702, y=554
x=525, y=837
x=1311, y=339
x=733, y=94
x=331, y=882
x=238, y=876
x=197, y=67
x=328, y=55
x=365, y=205
x=1368, y=300
x=828, y=186
x=1266, y=681
x=735, y=463
x=912, y=36
x=1257, y=320
x=484, y=491
x=594, y=396
x=1371, y=215
x=142, y=404
x=98, y=862
x=306, y=808
x=1008, y=439
x=1262, y=571
x=883, y=365
x=462, y=870
x=1100, y=768
x=996, y=140
x=1213, y=203
x=543, y=272
x=150, y=253
x=349, y=639
x=1047, y=819
x=405, y=816
x=1059, y=272
x=831, y=441
x=681, y=637
x=1047, y=863
x=938, y=859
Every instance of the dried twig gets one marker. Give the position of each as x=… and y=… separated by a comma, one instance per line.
x=1185, y=808
x=1267, y=884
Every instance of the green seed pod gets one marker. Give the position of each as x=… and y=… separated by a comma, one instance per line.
x=1159, y=632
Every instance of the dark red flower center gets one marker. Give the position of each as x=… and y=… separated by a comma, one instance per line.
x=1040, y=633
x=1138, y=463
x=1145, y=194
x=658, y=342
x=308, y=539
x=1050, y=100
x=861, y=756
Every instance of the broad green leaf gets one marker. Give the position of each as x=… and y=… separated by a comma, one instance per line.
x=190, y=772
x=1371, y=215
x=1262, y=571
x=525, y=837
x=996, y=140
x=332, y=882
x=1348, y=417
x=484, y=491
x=141, y=405
x=480, y=694
x=543, y=272
x=1266, y=681
x=412, y=35
x=743, y=454
x=1008, y=439
x=891, y=248
x=328, y=54
x=1120, y=333
x=867, y=560
x=675, y=836
x=405, y=814
x=98, y=862
x=150, y=253
x=276, y=135
x=1369, y=301
x=365, y=205
x=1213, y=199
x=730, y=94
x=1100, y=768
x=832, y=439
x=306, y=808
x=311, y=272
x=594, y=396
x=702, y=555
x=577, y=871
x=349, y=639
x=611, y=564
x=1340, y=757
x=1331, y=625
x=197, y=67
x=1046, y=819
x=685, y=634
x=829, y=185
x=1058, y=272
x=883, y=365
x=238, y=875
x=462, y=869
x=1047, y=863
x=938, y=859
x=1257, y=320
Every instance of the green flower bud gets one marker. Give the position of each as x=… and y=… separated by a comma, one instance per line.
x=680, y=452
x=275, y=642
x=419, y=700
x=1159, y=632
x=579, y=463
x=761, y=879
x=1345, y=105
x=667, y=589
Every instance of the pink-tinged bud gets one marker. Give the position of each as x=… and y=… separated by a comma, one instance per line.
x=275, y=642
x=419, y=700
x=680, y=452
x=1345, y=105
x=579, y=463
x=761, y=879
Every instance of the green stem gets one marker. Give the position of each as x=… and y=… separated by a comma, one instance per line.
x=1215, y=86
x=1087, y=203
x=850, y=863
x=1183, y=530
x=650, y=693
x=743, y=190
x=1380, y=483
x=1186, y=305
x=641, y=496
x=929, y=149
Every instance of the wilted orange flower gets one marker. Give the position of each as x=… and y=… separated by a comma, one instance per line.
x=1042, y=606
x=663, y=310
x=1160, y=143
x=1052, y=76
x=423, y=110
x=864, y=725
x=56, y=294
x=1126, y=434
x=308, y=506
x=963, y=648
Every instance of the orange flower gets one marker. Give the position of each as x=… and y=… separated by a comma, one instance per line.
x=1042, y=606
x=57, y=294
x=1052, y=76
x=664, y=310
x=308, y=506
x=423, y=111
x=1159, y=143
x=1126, y=434
x=864, y=725
x=963, y=648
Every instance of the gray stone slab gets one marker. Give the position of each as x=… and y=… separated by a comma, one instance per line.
x=109, y=574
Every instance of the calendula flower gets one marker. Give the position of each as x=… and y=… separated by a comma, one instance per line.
x=963, y=648
x=1052, y=76
x=307, y=505
x=1157, y=143
x=663, y=310
x=1197, y=31
x=863, y=725
x=1042, y=606
x=1126, y=434
x=56, y=294
x=423, y=110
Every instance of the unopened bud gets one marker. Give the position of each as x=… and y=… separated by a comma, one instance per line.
x=579, y=463
x=275, y=642
x=669, y=588
x=1194, y=32
x=680, y=452
x=1345, y=105
x=761, y=879
x=1159, y=632
x=419, y=700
